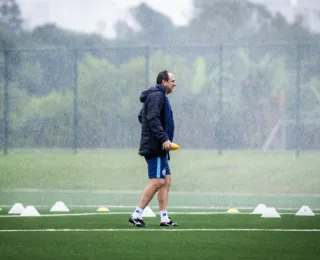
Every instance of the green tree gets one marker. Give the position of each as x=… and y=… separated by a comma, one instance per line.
x=45, y=122
x=260, y=84
x=10, y=16
x=155, y=27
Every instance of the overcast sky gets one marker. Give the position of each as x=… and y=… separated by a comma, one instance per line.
x=97, y=15
x=101, y=15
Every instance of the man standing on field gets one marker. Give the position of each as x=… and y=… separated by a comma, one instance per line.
x=157, y=130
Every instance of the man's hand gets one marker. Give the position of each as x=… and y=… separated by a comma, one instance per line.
x=166, y=145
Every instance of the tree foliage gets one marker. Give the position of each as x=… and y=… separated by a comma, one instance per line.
x=111, y=76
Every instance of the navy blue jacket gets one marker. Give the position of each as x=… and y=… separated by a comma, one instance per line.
x=157, y=124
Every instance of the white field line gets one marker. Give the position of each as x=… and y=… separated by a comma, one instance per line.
x=162, y=230
x=134, y=206
x=68, y=214
x=172, y=207
x=193, y=193
x=128, y=213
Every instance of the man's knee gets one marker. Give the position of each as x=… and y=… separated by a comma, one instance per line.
x=157, y=183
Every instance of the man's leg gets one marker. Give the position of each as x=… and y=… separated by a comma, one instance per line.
x=163, y=198
x=156, y=173
x=149, y=191
x=163, y=194
x=147, y=195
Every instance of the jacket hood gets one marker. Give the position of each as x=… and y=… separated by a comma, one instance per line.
x=145, y=93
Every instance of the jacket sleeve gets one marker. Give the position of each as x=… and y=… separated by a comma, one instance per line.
x=153, y=112
x=141, y=115
x=171, y=126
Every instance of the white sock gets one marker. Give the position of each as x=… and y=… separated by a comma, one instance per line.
x=164, y=216
x=137, y=213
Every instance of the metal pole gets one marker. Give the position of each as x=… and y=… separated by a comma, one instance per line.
x=283, y=119
x=298, y=103
x=147, y=65
x=75, y=101
x=283, y=134
x=220, y=99
x=6, y=102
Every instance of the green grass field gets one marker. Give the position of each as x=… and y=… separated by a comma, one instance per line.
x=204, y=186
x=217, y=236
x=199, y=178
x=193, y=170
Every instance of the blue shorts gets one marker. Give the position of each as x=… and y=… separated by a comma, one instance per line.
x=158, y=167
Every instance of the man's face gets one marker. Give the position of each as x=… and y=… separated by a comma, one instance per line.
x=170, y=84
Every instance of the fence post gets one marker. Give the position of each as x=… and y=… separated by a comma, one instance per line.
x=147, y=65
x=220, y=126
x=75, y=100
x=6, y=102
x=298, y=102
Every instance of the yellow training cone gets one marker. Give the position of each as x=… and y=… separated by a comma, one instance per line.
x=103, y=209
x=233, y=210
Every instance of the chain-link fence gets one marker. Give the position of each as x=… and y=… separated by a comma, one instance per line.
x=227, y=97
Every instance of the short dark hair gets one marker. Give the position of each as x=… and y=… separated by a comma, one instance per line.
x=163, y=75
